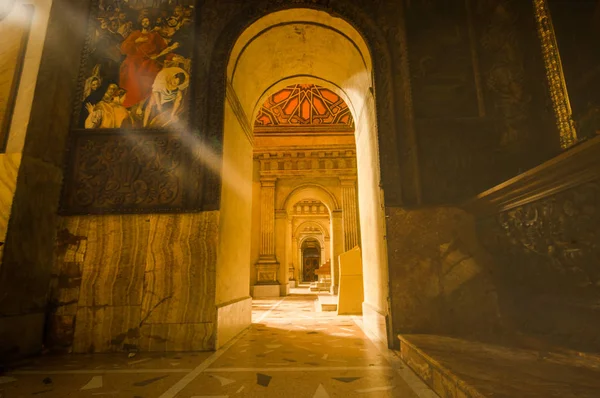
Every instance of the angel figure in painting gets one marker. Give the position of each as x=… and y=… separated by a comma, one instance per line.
x=165, y=104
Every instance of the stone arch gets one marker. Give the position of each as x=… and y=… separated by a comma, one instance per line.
x=259, y=73
x=310, y=191
x=392, y=111
x=318, y=238
x=324, y=231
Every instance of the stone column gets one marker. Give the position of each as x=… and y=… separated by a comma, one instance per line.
x=294, y=257
x=337, y=240
x=349, y=213
x=267, y=265
x=280, y=235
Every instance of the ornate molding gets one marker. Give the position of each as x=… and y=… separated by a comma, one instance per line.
x=577, y=166
x=238, y=110
x=309, y=208
x=307, y=163
x=555, y=76
x=131, y=172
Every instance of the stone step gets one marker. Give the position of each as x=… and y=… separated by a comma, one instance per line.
x=328, y=302
x=455, y=367
x=328, y=307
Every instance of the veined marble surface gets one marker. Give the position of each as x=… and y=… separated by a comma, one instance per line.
x=9, y=168
x=291, y=350
x=144, y=281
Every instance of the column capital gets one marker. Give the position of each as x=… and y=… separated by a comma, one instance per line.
x=348, y=180
x=268, y=181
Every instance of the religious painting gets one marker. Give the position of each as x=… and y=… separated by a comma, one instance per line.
x=14, y=31
x=137, y=69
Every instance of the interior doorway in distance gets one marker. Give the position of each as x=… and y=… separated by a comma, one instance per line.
x=311, y=259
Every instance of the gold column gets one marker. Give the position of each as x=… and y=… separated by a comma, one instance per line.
x=267, y=264
x=554, y=73
x=350, y=224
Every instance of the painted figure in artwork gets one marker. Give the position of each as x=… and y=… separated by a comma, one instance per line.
x=92, y=94
x=165, y=105
x=108, y=51
x=110, y=112
x=140, y=67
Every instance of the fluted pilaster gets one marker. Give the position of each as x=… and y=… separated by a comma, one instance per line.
x=267, y=219
x=267, y=265
x=349, y=213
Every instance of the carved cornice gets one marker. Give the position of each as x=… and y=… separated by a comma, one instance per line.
x=294, y=150
x=307, y=163
x=577, y=166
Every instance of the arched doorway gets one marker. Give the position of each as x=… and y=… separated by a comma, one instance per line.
x=297, y=46
x=311, y=259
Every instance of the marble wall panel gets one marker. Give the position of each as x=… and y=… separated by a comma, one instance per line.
x=106, y=329
x=179, y=280
x=121, y=278
x=31, y=66
x=439, y=274
x=113, y=269
x=14, y=31
x=9, y=167
x=175, y=337
x=232, y=318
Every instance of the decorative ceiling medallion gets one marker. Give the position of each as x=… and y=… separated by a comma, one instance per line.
x=305, y=107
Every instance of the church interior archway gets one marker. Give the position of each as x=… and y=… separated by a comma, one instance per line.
x=286, y=73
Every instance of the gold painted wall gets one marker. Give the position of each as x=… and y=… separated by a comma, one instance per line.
x=135, y=281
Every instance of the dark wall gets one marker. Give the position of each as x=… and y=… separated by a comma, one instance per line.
x=30, y=240
x=545, y=240
x=480, y=96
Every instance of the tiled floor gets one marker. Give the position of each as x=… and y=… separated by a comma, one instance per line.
x=292, y=350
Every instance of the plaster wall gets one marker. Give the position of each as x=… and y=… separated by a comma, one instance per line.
x=372, y=224
x=233, y=261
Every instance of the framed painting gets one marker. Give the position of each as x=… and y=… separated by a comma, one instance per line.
x=136, y=69
x=15, y=24
x=131, y=113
